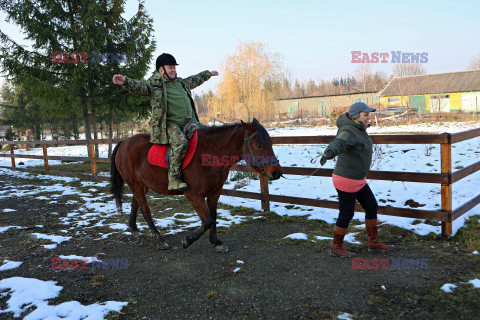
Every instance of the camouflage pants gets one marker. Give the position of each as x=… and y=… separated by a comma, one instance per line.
x=179, y=144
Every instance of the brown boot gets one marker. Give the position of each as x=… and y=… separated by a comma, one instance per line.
x=337, y=248
x=373, y=241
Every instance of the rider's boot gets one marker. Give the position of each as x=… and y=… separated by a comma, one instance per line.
x=175, y=183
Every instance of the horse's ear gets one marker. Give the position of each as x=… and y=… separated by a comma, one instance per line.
x=246, y=125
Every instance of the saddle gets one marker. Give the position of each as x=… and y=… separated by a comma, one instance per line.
x=159, y=154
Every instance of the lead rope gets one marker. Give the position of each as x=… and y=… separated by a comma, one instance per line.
x=311, y=161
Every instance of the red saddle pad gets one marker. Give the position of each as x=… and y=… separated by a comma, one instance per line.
x=158, y=153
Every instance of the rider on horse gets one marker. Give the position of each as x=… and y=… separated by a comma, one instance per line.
x=172, y=109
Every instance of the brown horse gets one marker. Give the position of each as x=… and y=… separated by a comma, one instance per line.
x=205, y=175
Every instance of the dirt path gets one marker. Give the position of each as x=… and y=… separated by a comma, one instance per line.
x=280, y=279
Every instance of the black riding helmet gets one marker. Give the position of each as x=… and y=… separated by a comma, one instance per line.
x=165, y=59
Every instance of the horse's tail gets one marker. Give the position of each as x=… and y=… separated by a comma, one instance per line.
x=116, y=180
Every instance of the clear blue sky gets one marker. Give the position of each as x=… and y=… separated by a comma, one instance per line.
x=315, y=38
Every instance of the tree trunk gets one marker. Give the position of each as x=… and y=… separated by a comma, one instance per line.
x=95, y=129
x=86, y=121
x=110, y=131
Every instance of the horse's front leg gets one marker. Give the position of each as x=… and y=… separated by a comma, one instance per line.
x=199, y=205
x=212, y=201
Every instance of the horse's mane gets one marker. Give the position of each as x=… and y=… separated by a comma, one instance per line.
x=262, y=138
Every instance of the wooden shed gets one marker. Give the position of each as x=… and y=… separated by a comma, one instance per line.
x=320, y=106
x=442, y=92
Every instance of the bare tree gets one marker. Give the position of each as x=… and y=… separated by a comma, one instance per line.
x=363, y=75
x=408, y=69
x=474, y=63
x=246, y=85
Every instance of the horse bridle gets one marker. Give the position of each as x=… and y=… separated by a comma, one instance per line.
x=247, y=143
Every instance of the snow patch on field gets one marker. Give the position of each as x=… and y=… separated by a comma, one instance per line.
x=29, y=292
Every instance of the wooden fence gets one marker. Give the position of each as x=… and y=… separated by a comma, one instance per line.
x=446, y=178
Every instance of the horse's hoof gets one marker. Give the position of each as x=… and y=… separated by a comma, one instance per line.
x=164, y=246
x=185, y=243
x=136, y=234
x=221, y=248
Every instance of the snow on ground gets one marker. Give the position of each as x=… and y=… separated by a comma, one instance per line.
x=297, y=236
x=475, y=283
x=96, y=208
x=3, y=229
x=408, y=158
x=75, y=257
x=393, y=157
x=345, y=316
x=8, y=265
x=28, y=292
x=450, y=287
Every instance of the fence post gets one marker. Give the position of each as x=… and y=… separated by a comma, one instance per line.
x=45, y=159
x=11, y=152
x=446, y=167
x=93, y=164
x=264, y=192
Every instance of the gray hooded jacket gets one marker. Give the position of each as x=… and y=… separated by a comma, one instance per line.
x=353, y=147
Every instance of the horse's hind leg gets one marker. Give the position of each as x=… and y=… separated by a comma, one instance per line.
x=132, y=223
x=212, y=201
x=139, y=195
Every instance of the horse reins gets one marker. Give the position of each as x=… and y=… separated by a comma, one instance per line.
x=247, y=142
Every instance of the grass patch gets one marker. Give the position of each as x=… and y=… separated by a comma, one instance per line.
x=470, y=234
x=212, y=294
x=424, y=303
x=389, y=233
x=237, y=210
x=161, y=203
x=240, y=175
x=77, y=167
x=315, y=312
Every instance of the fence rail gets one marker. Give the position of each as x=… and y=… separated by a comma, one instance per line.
x=445, y=178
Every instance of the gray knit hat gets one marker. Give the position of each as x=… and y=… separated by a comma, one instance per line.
x=358, y=107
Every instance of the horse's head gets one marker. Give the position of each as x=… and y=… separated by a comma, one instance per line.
x=258, y=152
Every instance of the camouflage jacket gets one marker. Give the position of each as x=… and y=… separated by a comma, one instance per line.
x=155, y=89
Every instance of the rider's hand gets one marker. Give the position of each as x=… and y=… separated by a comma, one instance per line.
x=214, y=73
x=118, y=79
x=328, y=155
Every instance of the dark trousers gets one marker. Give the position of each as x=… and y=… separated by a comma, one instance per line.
x=347, y=202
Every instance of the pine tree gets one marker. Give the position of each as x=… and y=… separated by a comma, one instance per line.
x=75, y=27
